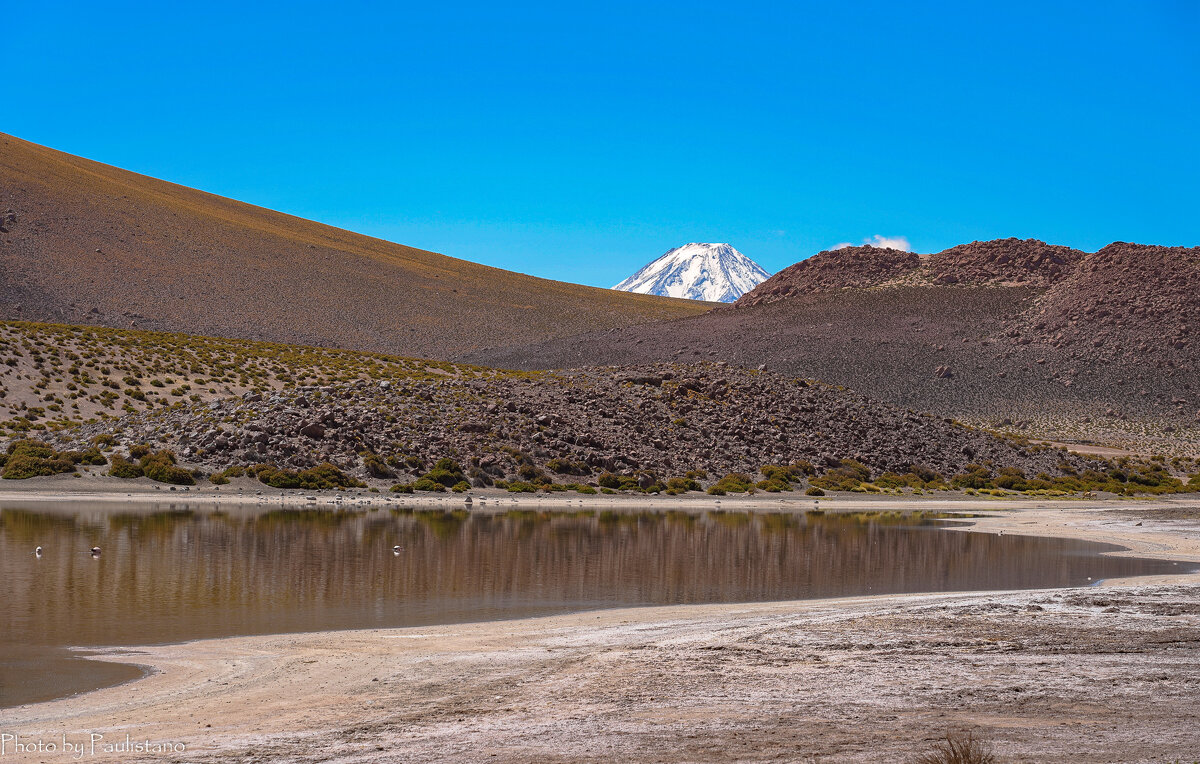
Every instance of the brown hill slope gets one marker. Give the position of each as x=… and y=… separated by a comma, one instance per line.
x=219, y=403
x=1125, y=301
x=1005, y=262
x=1010, y=356
x=90, y=243
x=835, y=269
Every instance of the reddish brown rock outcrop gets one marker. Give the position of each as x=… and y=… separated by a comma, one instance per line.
x=1003, y=262
x=1127, y=300
x=847, y=268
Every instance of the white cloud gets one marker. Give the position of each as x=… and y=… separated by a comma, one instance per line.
x=891, y=242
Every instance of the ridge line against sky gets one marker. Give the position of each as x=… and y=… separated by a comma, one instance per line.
x=580, y=144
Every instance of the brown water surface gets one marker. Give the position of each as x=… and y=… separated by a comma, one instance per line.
x=183, y=572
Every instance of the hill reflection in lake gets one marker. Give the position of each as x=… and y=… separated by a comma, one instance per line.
x=185, y=573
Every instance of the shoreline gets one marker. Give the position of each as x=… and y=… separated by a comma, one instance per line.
x=290, y=690
x=97, y=488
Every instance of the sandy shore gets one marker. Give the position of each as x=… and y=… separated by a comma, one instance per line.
x=1106, y=673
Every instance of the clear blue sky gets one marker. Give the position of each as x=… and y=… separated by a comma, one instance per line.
x=579, y=141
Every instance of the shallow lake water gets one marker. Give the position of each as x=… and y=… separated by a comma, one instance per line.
x=179, y=572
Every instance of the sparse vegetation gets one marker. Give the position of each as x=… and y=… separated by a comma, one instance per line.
x=67, y=378
x=32, y=458
x=959, y=749
x=734, y=482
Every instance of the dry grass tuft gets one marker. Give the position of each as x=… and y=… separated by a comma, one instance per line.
x=959, y=749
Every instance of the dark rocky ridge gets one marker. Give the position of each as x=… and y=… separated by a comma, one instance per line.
x=1141, y=389
x=1003, y=262
x=1127, y=301
x=665, y=419
x=846, y=268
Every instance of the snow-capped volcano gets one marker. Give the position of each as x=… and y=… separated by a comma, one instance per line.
x=713, y=272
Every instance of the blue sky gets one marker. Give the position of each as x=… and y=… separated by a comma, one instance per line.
x=579, y=141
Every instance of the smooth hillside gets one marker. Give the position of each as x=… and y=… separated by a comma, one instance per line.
x=84, y=242
x=1014, y=334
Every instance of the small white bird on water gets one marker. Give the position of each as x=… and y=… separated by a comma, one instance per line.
x=37, y=552
x=95, y=551
x=396, y=550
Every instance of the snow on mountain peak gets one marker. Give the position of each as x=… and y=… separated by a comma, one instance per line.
x=713, y=272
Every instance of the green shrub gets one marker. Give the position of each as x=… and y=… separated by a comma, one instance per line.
x=120, y=467
x=33, y=458
x=814, y=491
x=779, y=477
x=271, y=475
x=683, y=484
x=977, y=476
x=376, y=466
x=445, y=472
x=1011, y=479
x=846, y=477
x=401, y=488
x=461, y=487
x=160, y=467
x=530, y=472
x=567, y=467
x=21, y=467
x=222, y=477
x=916, y=478
x=609, y=480
x=34, y=448
x=427, y=484
x=139, y=450
x=734, y=482
x=325, y=476
x=93, y=457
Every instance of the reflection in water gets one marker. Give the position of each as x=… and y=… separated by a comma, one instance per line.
x=191, y=573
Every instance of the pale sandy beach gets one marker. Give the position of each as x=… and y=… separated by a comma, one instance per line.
x=1105, y=673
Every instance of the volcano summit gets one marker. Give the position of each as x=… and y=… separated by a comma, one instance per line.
x=712, y=272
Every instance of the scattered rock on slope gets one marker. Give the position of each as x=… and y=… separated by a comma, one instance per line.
x=1125, y=301
x=847, y=268
x=665, y=419
x=1007, y=262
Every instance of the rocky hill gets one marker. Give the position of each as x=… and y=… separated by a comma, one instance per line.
x=846, y=268
x=662, y=421
x=1004, y=262
x=218, y=403
x=1127, y=301
x=83, y=242
x=1018, y=334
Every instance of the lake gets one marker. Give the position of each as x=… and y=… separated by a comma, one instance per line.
x=178, y=572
